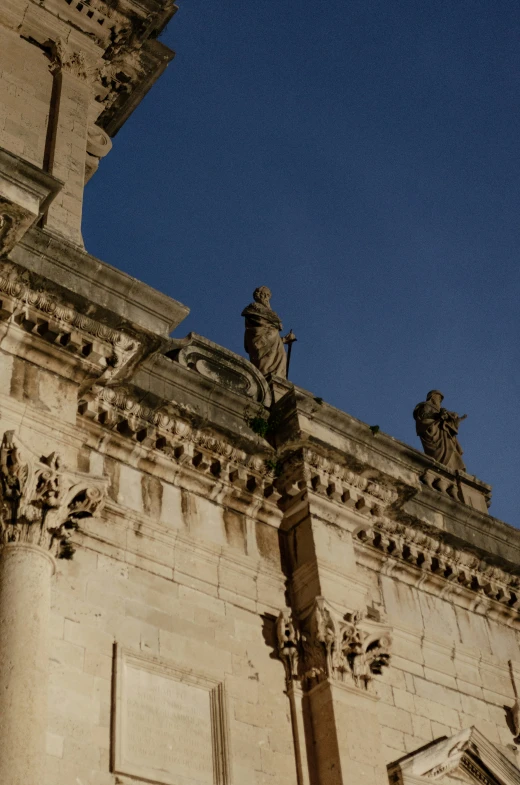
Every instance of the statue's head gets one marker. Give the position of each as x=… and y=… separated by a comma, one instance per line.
x=435, y=396
x=262, y=295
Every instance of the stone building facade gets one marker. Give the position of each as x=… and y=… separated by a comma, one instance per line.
x=206, y=579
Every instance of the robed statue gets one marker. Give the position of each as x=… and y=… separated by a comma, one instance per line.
x=437, y=429
x=262, y=340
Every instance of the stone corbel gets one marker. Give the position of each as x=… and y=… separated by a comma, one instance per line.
x=41, y=501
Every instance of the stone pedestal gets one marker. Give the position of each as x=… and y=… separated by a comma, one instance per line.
x=25, y=588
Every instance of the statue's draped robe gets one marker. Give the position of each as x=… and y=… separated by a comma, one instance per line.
x=262, y=340
x=439, y=435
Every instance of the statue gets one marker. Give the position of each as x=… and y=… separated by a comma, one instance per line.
x=437, y=429
x=262, y=340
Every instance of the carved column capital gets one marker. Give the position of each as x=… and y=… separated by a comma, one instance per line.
x=65, y=59
x=325, y=644
x=42, y=502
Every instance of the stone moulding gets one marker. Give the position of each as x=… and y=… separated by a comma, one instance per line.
x=325, y=644
x=41, y=502
x=458, y=568
x=220, y=366
x=25, y=194
x=41, y=313
x=162, y=429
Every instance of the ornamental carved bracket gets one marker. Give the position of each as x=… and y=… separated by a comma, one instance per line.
x=350, y=648
x=220, y=366
x=42, y=502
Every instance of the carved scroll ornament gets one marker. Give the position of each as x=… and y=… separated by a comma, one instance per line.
x=41, y=502
x=350, y=648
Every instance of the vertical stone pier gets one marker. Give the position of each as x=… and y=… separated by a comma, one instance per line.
x=331, y=641
x=25, y=590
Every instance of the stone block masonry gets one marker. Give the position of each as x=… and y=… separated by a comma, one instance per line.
x=183, y=601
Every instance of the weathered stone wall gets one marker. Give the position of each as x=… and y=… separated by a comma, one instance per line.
x=183, y=590
x=449, y=670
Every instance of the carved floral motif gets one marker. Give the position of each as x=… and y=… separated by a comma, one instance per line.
x=351, y=648
x=40, y=501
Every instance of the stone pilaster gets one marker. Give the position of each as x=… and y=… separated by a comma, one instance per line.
x=67, y=151
x=333, y=642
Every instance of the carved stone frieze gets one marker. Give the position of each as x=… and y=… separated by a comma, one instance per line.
x=164, y=429
x=425, y=550
x=349, y=648
x=41, y=502
x=42, y=314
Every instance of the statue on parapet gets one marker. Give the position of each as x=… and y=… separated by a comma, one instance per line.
x=262, y=340
x=437, y=429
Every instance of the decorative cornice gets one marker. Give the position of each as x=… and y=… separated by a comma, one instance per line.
x=163, y=429
x=324, y=644
x=305, y=468
x=42, y=313
x=425, y=549
x=41, y=502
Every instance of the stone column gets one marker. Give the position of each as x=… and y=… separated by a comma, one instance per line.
x=25, y=589
x=40, y=504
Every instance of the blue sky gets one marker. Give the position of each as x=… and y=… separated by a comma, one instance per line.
x=362, y=160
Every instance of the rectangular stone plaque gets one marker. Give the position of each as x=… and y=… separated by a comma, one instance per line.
x=169, y=724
